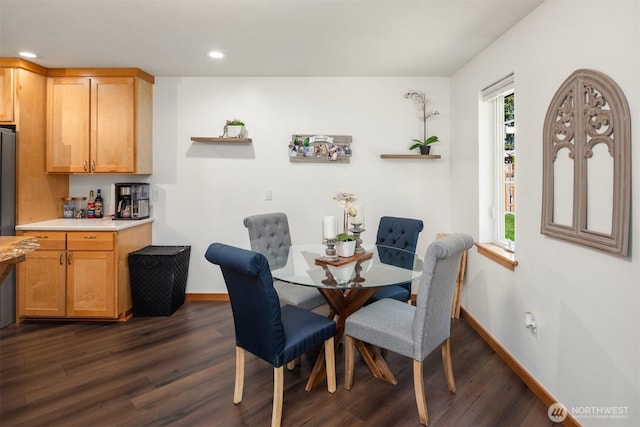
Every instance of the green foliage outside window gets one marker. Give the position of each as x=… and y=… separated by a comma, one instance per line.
x=509, y=227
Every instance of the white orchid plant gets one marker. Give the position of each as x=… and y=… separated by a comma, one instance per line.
x=422, y=101
x=345, y=203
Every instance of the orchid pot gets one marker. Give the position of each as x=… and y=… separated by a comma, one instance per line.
x=346, y=249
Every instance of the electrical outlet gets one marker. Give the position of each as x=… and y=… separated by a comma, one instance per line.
x=268, y=194
x=531, y=324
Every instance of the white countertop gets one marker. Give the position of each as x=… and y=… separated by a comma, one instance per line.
x=70, y=224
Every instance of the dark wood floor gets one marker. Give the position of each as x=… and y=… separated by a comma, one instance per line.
x=179, y=370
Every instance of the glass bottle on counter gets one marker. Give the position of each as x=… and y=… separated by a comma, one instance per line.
x=91, y=206
x=99, y=205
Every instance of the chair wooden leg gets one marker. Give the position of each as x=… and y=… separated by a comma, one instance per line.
x=448, y=367
x=237, y=392
x=278, y=391
x=330, y=361
x=349, y=356
x=291, y=365
x=418, y=386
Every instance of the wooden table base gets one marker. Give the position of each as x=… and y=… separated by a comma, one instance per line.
x=344, y=302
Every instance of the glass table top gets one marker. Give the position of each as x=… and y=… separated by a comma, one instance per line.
x=303, y=265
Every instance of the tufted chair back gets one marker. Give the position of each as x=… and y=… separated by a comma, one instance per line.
x=269, y=235
x=399, y=232
x=432, y=321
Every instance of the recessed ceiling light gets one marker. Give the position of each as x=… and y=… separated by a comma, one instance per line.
x=216, y=54
x=29, y=55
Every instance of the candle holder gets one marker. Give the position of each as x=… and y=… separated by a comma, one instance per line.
x=358, y=280
x=357, y=230
x=329, y=279
x=330, y=254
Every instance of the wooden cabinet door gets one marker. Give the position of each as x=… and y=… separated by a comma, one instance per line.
x=91, y=285
x=113, y=127
x=42, y=284
x=6, y=95
x=68, y=103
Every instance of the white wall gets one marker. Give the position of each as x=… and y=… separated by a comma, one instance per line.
x=205, y=190
x=586, y=302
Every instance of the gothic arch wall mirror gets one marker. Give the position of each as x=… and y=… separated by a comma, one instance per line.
x=587, y=164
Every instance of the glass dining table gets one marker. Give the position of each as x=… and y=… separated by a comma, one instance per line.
x=347, y=284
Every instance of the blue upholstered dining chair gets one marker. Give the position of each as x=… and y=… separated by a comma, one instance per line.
x=414, y=331
x=275, y=334
x=269, y=234
x=399, y=233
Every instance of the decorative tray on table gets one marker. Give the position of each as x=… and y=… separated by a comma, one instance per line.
x=342, y=261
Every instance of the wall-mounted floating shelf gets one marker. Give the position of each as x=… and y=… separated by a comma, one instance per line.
x=410, y=156
x=207, y=139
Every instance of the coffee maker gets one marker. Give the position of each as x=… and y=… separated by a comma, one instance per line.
x=132, y=200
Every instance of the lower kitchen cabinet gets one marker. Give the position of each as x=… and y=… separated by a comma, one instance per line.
x=42, y=284
x=79, y=274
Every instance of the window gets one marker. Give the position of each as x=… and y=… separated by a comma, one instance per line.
x=501, y=97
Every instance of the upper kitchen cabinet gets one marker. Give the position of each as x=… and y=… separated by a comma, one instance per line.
x=100, y=123
x=6, y=95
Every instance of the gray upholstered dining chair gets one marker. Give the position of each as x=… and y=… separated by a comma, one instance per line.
x=269, y=234
x=275, y=334
x=414, y=331
x=399, y=233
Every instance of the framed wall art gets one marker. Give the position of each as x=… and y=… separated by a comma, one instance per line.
x=305, y=148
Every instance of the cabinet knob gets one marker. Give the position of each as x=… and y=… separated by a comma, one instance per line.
x=69, y=259
x=42, y=236
x=90, y=237
x=84, y=166
x=93, y=165
x=61, y=259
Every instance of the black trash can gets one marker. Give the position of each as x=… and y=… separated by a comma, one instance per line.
x=158, y=279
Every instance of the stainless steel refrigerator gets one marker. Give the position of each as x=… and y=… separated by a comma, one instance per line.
x=8, y=217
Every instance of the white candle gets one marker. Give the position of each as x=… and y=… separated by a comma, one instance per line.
x=329, y=227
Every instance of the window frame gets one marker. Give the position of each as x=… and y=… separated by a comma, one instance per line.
x=495, y=95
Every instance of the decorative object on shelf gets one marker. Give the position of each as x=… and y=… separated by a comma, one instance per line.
x=320, y=148
x=329, y=233
x=233, y=129
x=421, y=101
x=424, y=146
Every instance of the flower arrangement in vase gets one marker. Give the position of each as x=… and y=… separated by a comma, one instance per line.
x=346, y=242
x=349, y=210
